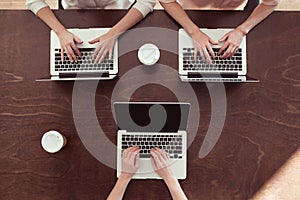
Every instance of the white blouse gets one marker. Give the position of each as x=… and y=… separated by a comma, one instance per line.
x=144, y=6
x=218, y=4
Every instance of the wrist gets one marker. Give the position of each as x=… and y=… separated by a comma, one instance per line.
x=125, y=177
x=193, y=31
x=170, y=180
x=114, y=32
x=60, y=30
x=243, y=30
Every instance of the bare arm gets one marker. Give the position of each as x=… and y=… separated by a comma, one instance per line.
x=50, y=19
x=202, y=42
x=233, y=39
x=175, y=189
x=176, y=12
x=119, y=188
x=107, y=41
x=67, y=40
x=160, y=162
x=258, y=15
x=130, y=164
x=131, y=18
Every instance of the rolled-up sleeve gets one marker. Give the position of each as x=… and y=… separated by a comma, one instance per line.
x=144, y=6
x=270, y=2
x=35, y=5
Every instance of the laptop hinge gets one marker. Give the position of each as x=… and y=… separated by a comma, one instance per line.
x=212, y=75
x=84, y=75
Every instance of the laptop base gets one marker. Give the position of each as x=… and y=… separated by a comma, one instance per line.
x=240, y=79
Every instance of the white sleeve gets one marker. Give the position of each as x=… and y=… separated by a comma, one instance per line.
x=144, y=6
x=35, y=5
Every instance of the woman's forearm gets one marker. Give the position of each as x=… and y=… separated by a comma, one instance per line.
x=130, y=19
x=47, y=16
x=176, y=12
x=175, y=189
x=119, y=188
x=258, y=15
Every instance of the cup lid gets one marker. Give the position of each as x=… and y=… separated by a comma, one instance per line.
x=52, y=141
x=148, y=54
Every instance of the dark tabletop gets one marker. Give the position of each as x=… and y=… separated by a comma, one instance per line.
x=260, y=133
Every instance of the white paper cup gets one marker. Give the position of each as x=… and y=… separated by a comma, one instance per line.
x=52, y=141
x=148, y=54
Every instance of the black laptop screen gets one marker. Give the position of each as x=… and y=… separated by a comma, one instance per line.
x=152, y=117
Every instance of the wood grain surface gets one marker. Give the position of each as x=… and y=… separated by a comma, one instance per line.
x=260, y=134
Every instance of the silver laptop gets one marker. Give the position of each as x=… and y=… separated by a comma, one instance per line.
x=85, y=69
x=232, y=69
x=153, y=124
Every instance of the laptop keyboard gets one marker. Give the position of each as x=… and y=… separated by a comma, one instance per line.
x=171, y=143
x=85, y=62
x=233, y=63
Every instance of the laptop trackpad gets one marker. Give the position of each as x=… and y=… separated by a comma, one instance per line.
x=145, y=166
x=145, y=170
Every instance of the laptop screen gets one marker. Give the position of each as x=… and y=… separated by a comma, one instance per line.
x=152, y=116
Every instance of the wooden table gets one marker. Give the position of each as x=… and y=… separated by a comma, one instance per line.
x=261, y=130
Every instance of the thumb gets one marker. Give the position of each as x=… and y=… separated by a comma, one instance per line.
x=212, y=41
x=94, y=41
x=136, y=160
x=77, y=39
x=223, y=38
x=153, y=163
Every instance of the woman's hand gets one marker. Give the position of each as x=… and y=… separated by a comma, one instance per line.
x=202, y=43
x=68, y=45
x=106, y=45
x=232, y=41
x=160, y=162
x=130, y=162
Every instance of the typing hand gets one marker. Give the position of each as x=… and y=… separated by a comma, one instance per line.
x=130, y=161
x=106, y=45
x=202, y=43
x=232, y=40
x=160, y=162
x=68, y=45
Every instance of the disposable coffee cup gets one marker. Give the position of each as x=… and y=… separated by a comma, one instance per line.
x=148, y=54
x=52, y=141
